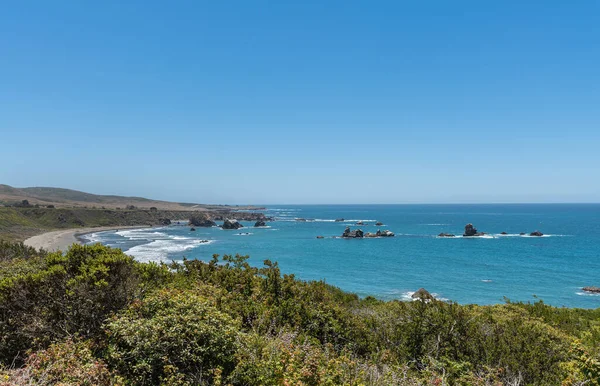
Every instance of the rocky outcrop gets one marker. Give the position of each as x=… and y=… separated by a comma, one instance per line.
x=260, y=223
x=503, y=233
x=592, y=289
x=231, y=224
x=385, y=233
x=379, y=223
x=422, y=294
x=202, y=220
x=164, y=221
x=192, y=229
x=360, y=223
x=446, y=235
x=350, y=234
x=470, y=231
x=536, y=233
x=339, y=220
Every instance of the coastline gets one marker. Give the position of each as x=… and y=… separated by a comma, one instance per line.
x=61, y=240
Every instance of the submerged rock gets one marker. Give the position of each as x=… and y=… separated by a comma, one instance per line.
x=379, y=223
x=193, y=229
x=536, y=233
x=231, y=224
x=446, y=235
x=260, y=223
x=339, y=220
x=320, y=237
x=352, y=234
x=301, y=219
x=503, y=233
x=422, y=294
x=360, y=223
x=592, y=289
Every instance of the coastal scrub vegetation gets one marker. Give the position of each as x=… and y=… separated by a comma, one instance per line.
x=95, y=316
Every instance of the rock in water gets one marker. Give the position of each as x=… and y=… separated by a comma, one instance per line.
x=422, y=294
x=339, y=220
x=301, y=219
x=193, y=229
x=202, y=220
x=446, y=235
x=385, y=233
x=352, y=234
x=320, y=237
x=536, y=233
x=591, y=289
x=360, y=223
x=379, y=223
x=260, y=223
x=231, y=224
x=503, y=233
x=470, y=230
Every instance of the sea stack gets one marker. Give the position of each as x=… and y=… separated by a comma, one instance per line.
x=349, y=234
x=231, y=224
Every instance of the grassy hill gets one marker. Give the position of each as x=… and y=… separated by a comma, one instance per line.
x=63, y=198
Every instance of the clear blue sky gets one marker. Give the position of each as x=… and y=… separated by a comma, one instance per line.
x=304, y=101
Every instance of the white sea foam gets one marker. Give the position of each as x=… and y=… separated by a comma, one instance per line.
x=435, y=224
x=244, y=234
x=486, y=280
x=583, y=293
x=158, y=250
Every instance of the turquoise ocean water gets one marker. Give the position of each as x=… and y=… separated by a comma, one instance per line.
x=466, y=270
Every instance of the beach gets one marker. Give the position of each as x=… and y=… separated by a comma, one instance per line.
x=61, y=240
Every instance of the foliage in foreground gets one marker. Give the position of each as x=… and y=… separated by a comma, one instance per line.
x=94, y=316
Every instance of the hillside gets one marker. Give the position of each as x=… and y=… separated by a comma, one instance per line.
x=63, y=198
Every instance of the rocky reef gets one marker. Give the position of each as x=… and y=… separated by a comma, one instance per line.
x=536, y=233
x=350, y=234
x=446, y=235
x=592, y=289
x=260, y=223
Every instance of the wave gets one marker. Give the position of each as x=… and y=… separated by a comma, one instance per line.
x=583, y=293
x=244, y=234
x=158, y=250
x=435, y=224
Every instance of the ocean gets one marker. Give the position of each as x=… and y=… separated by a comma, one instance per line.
x=485, y=270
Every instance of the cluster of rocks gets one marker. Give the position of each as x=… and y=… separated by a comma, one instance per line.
x=358, y=233
x=471, y=231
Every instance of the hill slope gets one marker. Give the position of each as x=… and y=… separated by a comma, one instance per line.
x=72, y=198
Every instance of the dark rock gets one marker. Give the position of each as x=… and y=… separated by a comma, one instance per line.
x=231, y=224
x=591, y=289
x=360, y=223
x=422, y=294
x=260, y=223
x=301, y=219
x=503, y=233
x=339, y=220
x=536, y=233
x=193, y=229
x=320, y=237
x=522, y=233
x=470, y=231
x=385, y=233
x=164, y=221
x=446, y=235
x=379, y=223
x=352, y=234
x=371, y=235
x=202, y=220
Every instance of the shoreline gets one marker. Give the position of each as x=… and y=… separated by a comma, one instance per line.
x=61, y=240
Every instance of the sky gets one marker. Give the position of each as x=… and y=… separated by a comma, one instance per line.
x=303, y=102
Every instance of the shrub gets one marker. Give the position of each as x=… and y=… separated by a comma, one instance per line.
x=172, y=337
x=68, y=363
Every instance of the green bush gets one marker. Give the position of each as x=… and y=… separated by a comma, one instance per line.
x=172, y=337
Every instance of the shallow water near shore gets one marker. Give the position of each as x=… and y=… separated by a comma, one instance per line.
x=484, y=270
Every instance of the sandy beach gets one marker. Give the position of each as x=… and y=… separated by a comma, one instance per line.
x=61, y=240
